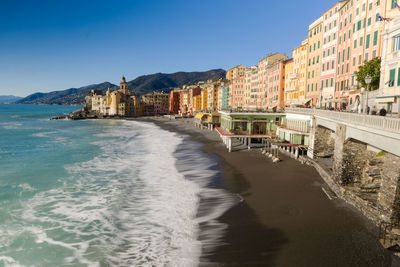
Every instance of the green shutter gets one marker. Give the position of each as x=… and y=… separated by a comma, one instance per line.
x=361, y=41
x=375, y=38
x=367, y=41
x=394, y=4
x=348, y=52
x=355, y=43
x=392, y=76
x=339, y=58
x=369, y=21
x=398, y=78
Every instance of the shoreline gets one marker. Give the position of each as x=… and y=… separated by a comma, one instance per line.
x=285, y=218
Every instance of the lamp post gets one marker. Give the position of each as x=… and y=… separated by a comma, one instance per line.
x=367, y=80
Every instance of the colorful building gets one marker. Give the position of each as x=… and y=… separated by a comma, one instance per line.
x=274, y=94
x=329, y=55
x=315, y=37
x=174, y=101
x=296, y=89
x=389, y=87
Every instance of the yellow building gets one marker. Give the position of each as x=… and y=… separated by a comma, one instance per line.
x=289, y=83
x=295, y=86
x=315, y=38
x=235, y=72
x=197, y=103
x=204, y=97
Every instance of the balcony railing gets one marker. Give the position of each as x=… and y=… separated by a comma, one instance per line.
x=376, y=122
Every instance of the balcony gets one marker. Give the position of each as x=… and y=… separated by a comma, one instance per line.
x=293, y=88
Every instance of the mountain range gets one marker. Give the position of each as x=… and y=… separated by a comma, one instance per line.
x=141, y=85
x=5, y=99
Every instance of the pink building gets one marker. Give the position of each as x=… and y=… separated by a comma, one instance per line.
x=329, y=55
x=275, y=85
x=238, y=92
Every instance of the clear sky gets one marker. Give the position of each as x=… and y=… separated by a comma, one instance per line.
x=59, y=44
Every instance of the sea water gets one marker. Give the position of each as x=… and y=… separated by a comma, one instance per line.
x=102, y=192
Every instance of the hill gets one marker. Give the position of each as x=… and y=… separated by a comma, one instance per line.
x=4, y=99
x=141, y=85
x=72, y=96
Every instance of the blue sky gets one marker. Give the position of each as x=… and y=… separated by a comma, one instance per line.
x=54, y=45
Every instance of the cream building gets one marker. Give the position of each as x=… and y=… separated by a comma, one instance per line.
x=389, y=87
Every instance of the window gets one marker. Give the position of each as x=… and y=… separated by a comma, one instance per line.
x=366, y=56
x=374, y=54
x=354, y=61
x=354, y=27
x=323, y=54
x=369, y=21
x=375, y=38
x=367, y=41
x=348, y=52
x=322, y=85
x=361, y=41
x=344, y=52
x=359, y=25
x=351, y=16
x=340, y=39
x=349, y=34
x=355, y=43
x=328, y=52
x=391, y=78
x=370, y=6
x=396, y=46
x=344, y=37
x=377, y=17
x=394, y=4
x=333, y=64
x=318, y=44
x=333, y=50
x=326, y=83
x=339, y=58
x=331, y=81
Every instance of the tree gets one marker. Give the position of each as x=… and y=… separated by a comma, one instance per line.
x=373, y=68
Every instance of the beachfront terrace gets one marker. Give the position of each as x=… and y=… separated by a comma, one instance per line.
x=248, y=123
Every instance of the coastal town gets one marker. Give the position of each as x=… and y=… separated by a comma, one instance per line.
x=315, y=105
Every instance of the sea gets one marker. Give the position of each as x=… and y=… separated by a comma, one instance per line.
x=103, y=192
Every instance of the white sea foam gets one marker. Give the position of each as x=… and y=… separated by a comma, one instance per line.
x=130, y=205
x=10, y=125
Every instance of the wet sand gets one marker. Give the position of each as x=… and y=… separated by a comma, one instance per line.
x=285, y=219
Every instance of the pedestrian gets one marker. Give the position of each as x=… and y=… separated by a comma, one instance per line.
x=373, y=110
x=382, y=112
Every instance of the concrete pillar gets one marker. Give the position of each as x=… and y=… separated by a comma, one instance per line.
x=230, y=145
x=389, y=193
x=310, y=152
x=340, y=138
x=248, y=143
x=296, y=153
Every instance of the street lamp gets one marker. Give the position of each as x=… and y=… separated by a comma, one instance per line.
x=367, y=80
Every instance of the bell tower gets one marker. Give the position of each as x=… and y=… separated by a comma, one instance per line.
x=123, y=86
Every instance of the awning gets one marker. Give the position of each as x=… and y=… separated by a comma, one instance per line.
x=199, y=116
x=386, y=100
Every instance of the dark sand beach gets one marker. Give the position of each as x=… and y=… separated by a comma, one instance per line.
x=285, y=219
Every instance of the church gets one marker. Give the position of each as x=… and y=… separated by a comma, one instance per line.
x=119, y=103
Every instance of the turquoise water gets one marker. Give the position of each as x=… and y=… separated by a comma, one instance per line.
x=96, y=192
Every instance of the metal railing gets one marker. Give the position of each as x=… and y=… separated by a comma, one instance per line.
x=372, y=121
